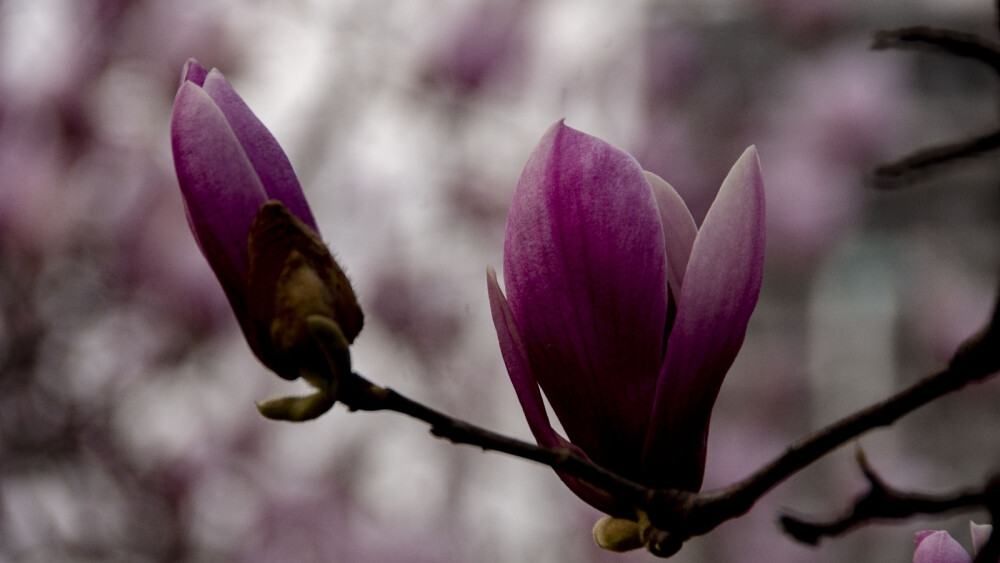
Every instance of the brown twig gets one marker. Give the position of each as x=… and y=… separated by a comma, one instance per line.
x=979, y=355
x=678, y=515
x=975, y=360
x=882, y=502
x=948, y=41
x=904, y=171
x=375, y=398
x=967, y=45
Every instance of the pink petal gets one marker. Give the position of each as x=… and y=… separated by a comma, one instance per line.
x=980, y=535
x=221, y=190
x=679, y=229
x=268, y=159
x=192, y=72
x=585, y=271
x=939, y=547
x=516, y=359
x=920, y=536
x=720, y=291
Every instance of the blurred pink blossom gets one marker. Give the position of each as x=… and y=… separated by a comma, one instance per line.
x=486, y=40
x=837, y=116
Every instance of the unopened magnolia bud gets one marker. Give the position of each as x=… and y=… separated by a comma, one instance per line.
x=617, y=534
x=292, y=277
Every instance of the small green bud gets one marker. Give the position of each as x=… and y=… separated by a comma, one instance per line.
x=617, y=534
x=297, y=409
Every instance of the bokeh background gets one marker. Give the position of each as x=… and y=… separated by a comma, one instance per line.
x=127, y=425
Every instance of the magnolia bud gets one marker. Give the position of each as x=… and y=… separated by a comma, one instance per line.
x=292, y=277
x=295, y=284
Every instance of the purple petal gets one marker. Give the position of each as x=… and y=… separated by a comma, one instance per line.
x=679, y=229
x=585, y=270
x=193, y=72
x=269, y=160
x=939, y=547
x=221, y=191
x=920, y=536
x=516, y=359
x=980, y=535
x=720, y=291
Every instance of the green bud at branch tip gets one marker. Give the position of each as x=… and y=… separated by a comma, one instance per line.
x=297, y=409
x=617, y=534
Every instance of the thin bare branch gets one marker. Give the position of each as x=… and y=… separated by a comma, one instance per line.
x=958, y=43
x=921, y=164
x=882, y=502
x=676, y=515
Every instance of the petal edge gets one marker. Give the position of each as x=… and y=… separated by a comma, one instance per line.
x=720, y=291
x=515, y=357
x=268, y=158
x=221, y=192
x=679, y=229
x=586, y=275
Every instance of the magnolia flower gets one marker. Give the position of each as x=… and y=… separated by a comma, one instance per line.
x=621, y=310
x=251, y=220
x=939, y=547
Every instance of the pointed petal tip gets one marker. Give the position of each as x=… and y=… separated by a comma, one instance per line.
x=980, y=535
x=193, y=72
x=939, y=547
x=217, y=182
x=558, y=129
x=719, y=293
x=493, y=288
x=679, y=228
x=751, y=152
x=269, y=160
x=515, y=358
x=188, y=102
x=745, y=182
x=586, y=270
x=750, y=159
x=554, y=131
x=921, y=536
x=215, y=74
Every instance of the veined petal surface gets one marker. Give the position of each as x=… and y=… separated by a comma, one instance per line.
x=221, y=190
x=719, y=292
x=268, y=159
x=679, y=229
x=515, y=357
x=585, y=270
